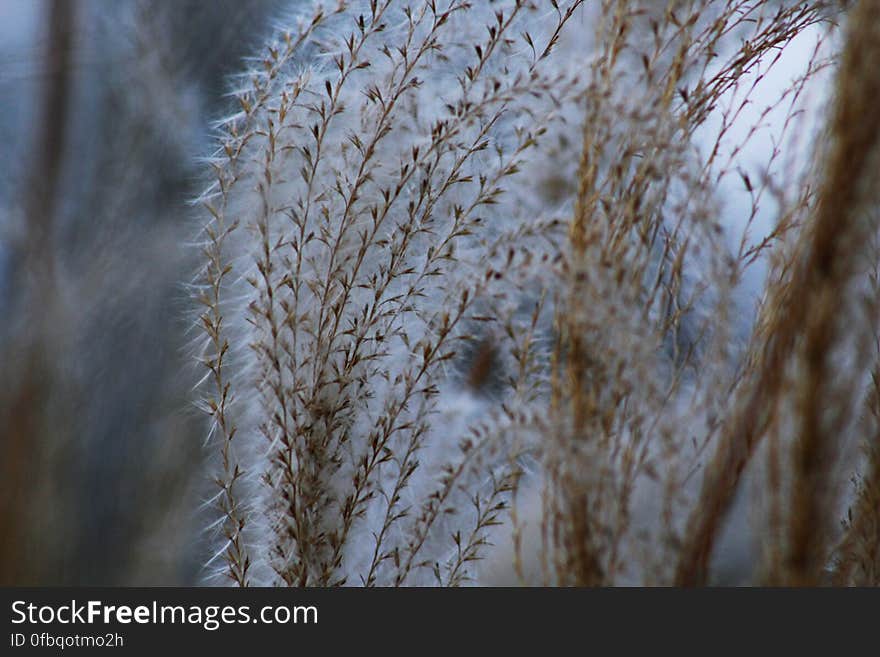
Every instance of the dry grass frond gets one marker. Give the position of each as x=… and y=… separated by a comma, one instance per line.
x=806, y=311
x=466, y=258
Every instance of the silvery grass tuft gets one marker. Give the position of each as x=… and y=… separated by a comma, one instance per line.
x=472, y=308
x=360, y=192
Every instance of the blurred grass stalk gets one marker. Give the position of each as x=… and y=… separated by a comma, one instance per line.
x=806, y=318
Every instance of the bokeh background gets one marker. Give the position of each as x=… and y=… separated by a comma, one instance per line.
x=105, y=108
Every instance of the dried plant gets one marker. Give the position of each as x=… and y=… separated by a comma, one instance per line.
x=472, y=296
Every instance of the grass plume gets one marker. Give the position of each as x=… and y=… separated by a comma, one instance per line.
x=472, y=295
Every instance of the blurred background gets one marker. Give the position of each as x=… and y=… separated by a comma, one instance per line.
x=105, y=107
